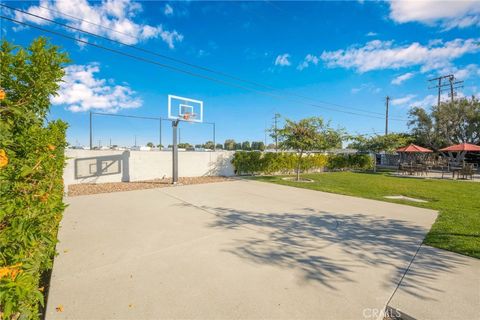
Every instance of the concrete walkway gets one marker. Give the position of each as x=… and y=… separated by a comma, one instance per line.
x=439, y=285
x=232, y=250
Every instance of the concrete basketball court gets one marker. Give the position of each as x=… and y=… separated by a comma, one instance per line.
x=231, y=250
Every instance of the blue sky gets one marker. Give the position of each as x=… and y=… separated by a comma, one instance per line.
x=343, y=56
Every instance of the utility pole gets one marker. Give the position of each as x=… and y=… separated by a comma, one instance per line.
x=135, y=141
x=265, y=133
x=91, y=132
x=438, y=86
x=275, y=119
x=452, y=85
x=214, y=138
x=386, y=114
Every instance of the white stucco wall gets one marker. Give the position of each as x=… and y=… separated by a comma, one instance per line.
x=83, y=165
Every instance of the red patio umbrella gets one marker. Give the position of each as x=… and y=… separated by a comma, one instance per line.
x=460, y=151
x=412, y=153
x=461, y=147
x=414, y=149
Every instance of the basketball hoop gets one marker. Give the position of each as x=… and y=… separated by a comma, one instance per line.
x=182, y=109
x=189, y=117
x=185, y=109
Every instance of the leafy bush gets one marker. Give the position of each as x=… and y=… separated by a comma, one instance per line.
x=350, y=161
x=337, y=162
x=31, y=169
x=256, y=162
x=248, y=162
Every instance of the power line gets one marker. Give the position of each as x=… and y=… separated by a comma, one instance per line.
x=168, y=57
x=172, y=68
x=128, y=45
x=175, y=59
x=83, y=20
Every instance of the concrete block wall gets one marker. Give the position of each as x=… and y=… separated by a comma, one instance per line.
x=100, y=166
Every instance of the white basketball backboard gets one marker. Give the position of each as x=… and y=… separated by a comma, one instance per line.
x=185, y=109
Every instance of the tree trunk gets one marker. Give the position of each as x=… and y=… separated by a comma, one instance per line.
x=299, y=162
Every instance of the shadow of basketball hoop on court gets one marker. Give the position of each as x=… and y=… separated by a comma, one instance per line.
x=95, y=167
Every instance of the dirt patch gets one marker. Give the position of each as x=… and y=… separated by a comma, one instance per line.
x=94, y=188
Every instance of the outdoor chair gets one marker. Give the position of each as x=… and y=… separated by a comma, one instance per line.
x=420, y=169
x=467, y=171
x=402, y=168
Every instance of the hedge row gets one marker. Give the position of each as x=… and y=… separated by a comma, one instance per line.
x=31, y=185
x=257, y=162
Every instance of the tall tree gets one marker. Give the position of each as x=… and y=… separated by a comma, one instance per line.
x=379, y=143
x=229, y=144
x=258, y=145
x=209, y=145
x=446, y=124
x=246, y=145
x=307, y=135
x=184, y=145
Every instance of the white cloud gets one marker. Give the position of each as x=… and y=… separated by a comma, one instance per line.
x=283, y=60
x=428, y=101
x=448, y=14
x=376, y=55
x=309, y=59
x=369, y=87
x=371, y=34
x=170, y=37
x=432, y=100
x=117, y=16
x=463, y=73
x=168, y=11
x=403, y=100
x=81, y=91
x=402, y=78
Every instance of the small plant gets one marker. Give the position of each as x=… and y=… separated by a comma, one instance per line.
x=306, y=136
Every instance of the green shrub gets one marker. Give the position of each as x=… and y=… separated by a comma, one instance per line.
x=337, y=162
x=256, y=162
x=350, y=161
x=31, y=169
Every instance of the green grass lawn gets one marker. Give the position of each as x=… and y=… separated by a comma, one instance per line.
x=457, y=227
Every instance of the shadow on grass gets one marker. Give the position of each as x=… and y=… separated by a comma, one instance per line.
x=298, y=241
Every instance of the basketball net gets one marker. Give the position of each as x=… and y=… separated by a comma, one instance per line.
x=187, y=117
